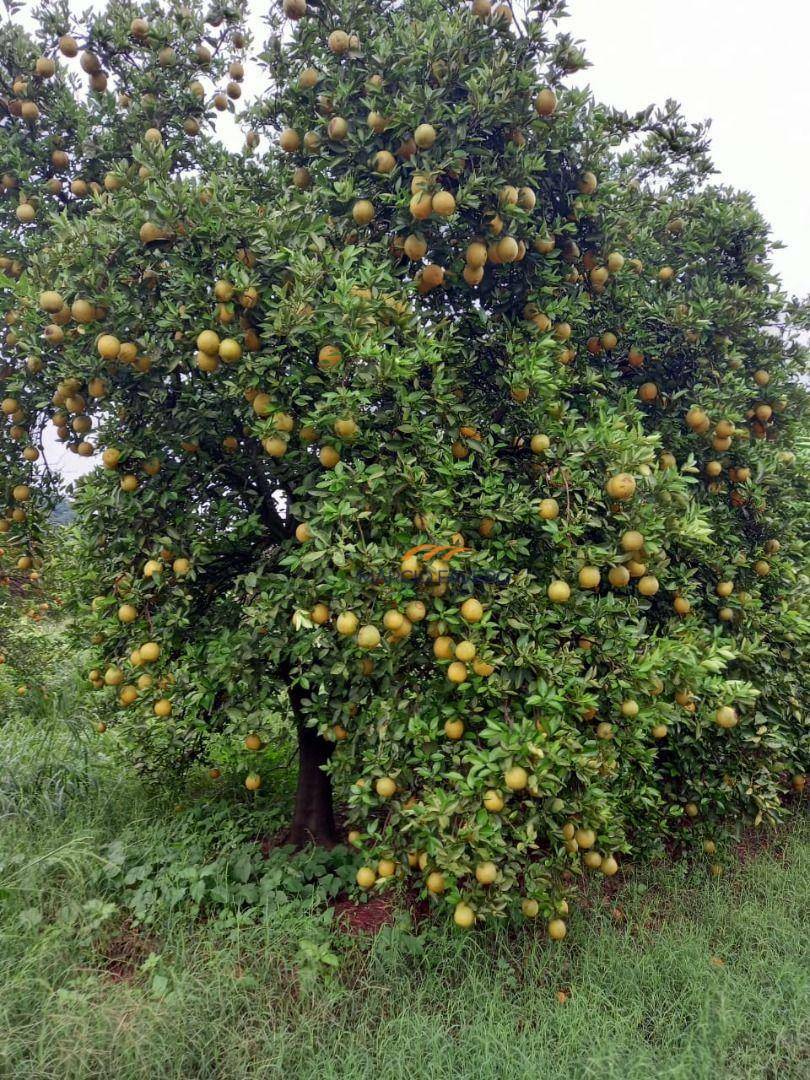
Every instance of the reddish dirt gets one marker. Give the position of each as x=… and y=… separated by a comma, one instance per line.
x=270, y=843
x=752, y=843
x=124, y=954
x=368, y=918
x=282, y=837
x=379, y=911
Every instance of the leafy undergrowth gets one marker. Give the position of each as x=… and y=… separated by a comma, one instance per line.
x=140, y=939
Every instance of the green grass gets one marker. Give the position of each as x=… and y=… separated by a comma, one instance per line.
x=699, y=978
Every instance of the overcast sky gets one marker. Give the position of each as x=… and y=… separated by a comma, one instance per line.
x=741, y=63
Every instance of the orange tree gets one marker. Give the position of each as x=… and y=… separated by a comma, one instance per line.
x=455, y=432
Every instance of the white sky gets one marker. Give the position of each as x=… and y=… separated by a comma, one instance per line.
x=739, y=62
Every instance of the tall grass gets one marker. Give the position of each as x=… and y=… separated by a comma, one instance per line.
x=698, y=980
x=47, y=756
x=676, y=976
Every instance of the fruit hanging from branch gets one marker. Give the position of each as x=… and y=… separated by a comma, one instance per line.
x=451, y=438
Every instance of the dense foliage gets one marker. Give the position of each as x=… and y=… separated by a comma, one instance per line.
x=458, y=431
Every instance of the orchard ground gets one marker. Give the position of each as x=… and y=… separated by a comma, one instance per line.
x=140, y=942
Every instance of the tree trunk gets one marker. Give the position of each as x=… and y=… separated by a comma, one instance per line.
x=313, y=819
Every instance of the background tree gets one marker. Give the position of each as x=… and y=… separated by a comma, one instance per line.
x=454, y=433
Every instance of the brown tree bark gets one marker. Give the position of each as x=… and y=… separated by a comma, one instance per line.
x=313, y=818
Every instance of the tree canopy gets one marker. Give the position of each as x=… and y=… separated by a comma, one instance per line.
x=454, y=424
